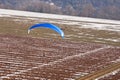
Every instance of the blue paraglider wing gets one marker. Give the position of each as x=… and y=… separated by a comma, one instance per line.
x=47, y=25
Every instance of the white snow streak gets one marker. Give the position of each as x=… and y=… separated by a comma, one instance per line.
x=6, y=12
x=109, y=74
x=54, y=62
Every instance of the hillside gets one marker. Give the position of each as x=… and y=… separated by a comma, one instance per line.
x=108, y=9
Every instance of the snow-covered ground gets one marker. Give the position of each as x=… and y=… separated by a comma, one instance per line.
x=101, y=24
x=54, y=16
x=75, y=22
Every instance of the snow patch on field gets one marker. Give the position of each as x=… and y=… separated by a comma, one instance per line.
x=54, y=62
x=79, y=74
x=109, y=74
x=117, y=60
x=108, y=39
x=100, y=24
x=54, y=16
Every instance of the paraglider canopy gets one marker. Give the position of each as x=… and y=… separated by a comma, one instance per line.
x=47, y=25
